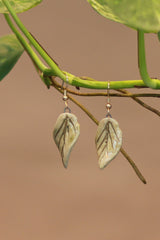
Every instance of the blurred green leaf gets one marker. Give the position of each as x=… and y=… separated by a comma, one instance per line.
x=101, y=6
x=138, y=14
x=10, y=52
x=19, y=5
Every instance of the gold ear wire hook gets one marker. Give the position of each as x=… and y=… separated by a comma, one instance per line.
x=65, y=97
x=108, y=106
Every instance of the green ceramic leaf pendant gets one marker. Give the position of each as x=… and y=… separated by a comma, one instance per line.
x=108, y=141
x=65, y=134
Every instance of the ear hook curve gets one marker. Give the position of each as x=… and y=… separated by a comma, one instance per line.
x=65, y=97
x=108, y=106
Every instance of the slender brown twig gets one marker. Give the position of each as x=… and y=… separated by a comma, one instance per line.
x=143, y=104
x=103, y=94
x=139, y=174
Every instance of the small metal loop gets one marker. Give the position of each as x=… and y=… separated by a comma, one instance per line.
x=67, y=109
x=108, y=115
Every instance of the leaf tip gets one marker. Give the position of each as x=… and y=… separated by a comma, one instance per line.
x=65, y=164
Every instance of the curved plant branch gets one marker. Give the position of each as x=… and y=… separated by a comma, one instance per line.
x=54, y=70
x=151, y=83
x=25, y=44
x=123, y=93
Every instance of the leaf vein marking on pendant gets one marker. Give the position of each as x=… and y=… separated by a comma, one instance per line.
x=97, y=140
x=102, y=152
x=65, y=121
x=64, y=134
x=108, y=135
x=72, y=124
x=114, y=130
x=65, y=129
x=60, y=128
x=105, y=139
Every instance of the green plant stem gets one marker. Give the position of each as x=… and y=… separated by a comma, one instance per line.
x=73, y=80
x=151, y=83
x=40, y=67
x=26, y=46
x=125, y=94
x=54, y=68
x=88, y=83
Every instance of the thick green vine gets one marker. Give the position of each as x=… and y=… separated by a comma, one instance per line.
x=54, y=70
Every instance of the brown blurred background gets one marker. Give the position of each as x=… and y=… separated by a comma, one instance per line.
x=39, y=199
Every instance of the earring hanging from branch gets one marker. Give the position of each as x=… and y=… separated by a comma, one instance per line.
x=108, y=137
x=66, y=130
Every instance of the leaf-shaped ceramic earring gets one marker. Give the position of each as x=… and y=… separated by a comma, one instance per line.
x=108, y=140
x=65, y=134
x=108, y=137
x=66, y=131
